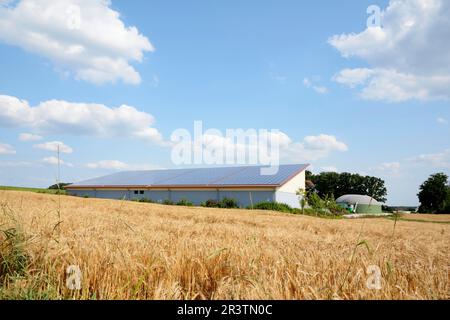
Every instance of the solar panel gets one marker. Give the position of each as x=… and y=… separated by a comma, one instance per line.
x=215, y=176
x=253, y=176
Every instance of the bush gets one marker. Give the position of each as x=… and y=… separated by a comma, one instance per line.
x=225, y=203
x=315, y=201
x=324, y=213
x=211, y=203
x=228, y=203
x=145, y=200
x=324, y=206
x=185, y=202
x=274, y=206
x=59, y=186
x=168, y=202
x=336, y=209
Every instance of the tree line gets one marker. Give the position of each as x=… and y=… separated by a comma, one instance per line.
x=333, y=184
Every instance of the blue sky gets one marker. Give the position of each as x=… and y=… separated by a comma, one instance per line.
x=348, y=97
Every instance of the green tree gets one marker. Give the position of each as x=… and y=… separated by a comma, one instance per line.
x=316, y=202
x=303, y=194
x=309, y=175
x=327, y=183
x=375, y=188
x=434, y=194
x=60, y=186
x=332, y=184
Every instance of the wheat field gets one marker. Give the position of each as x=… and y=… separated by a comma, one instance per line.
x=128, y=250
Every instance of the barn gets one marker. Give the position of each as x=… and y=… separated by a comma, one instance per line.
x=244, y=184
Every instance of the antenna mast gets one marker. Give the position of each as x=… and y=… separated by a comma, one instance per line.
x=59, y=169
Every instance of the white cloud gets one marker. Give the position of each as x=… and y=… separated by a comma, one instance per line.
x=6, y=149
x=437, y=160
x=13, y=111
x=53, y=146
x=307, y=83
x=278, y=77
x=353, y=77
x=408, y=54
x=329, y=169
x=35, y=164
x=441, y=120
x=54, y=161
x=392, y=86
x=310, y=85
x=85, y=37
x=389, y=168
x=119, y=165
x=88, y=119
x=29, y=137
x=432, y=161
x=313, y=148
x=16, y=164
x=320, y=89
x=324, y=142
x=150, y=135
x=108, y=164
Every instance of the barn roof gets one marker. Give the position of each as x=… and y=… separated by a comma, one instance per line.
x=197, y=177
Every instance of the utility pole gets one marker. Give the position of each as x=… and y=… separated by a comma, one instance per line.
x=58, y=177
x=59, y=169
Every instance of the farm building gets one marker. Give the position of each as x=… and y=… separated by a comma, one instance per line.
x=244, y=184
x=360, y=204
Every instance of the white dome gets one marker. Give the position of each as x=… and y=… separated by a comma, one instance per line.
x=357, y=199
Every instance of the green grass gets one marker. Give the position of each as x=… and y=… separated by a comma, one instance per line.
x=37, y=190
x=418, y=220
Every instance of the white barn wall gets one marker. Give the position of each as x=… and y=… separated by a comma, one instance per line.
x=288, y=198
x=294, y=184
x=244, y=197
x=287, y=192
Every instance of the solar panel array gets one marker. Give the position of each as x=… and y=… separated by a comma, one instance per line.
x=218, y=176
